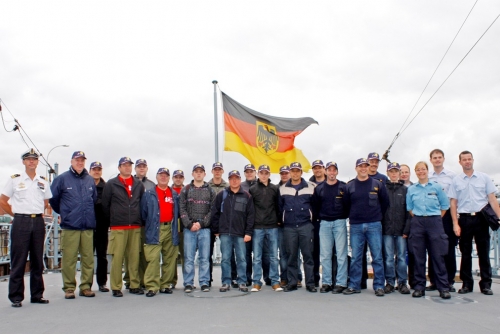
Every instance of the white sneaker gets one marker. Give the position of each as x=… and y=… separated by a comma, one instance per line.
x=255, y=288
x=277, y=288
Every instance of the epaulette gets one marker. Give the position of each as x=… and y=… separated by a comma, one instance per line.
x=42, y=177
x=15, y=175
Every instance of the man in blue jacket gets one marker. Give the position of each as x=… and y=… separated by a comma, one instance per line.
x=74, y=195
x=160, y=212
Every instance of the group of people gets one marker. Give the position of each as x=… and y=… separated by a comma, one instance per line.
x=263, y=228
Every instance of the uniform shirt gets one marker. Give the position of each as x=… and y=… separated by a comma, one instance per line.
x=444, y=178
x=472, y=192
x=27, y=196
x=426, y=200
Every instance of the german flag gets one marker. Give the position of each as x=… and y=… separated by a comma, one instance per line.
x=263, y=139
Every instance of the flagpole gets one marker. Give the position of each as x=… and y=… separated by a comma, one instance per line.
x=216, y=123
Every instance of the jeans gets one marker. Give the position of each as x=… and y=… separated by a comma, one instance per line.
x=395, y=267
x=262, y=236
x=196, y=240
x=333, y=233
x=227, y=243
x=360, y=234
x=300, y=238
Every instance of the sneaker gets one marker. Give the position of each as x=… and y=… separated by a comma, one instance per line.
x=380, y=292
x=243, y=288
x=255, y=288
x=86, y=293
x=151, y=293
x=277, y=288
x=325, y=288
x=69, y=294
x=388, y=288
x=350, y=291
x=205, y=288
x=117, y=293
x=136, y=291
x=403, y=289
x=234, y=284
x=188, y=288
x=338, y=289
x=225, y=287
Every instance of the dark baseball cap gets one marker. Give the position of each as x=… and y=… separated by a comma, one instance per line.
x=249, y=166
x=373, y=155
x=78, y=154
x=217, y=165
x=124, y=160
x=284, y=169
x=330, y=164
x=264, y=167
x=141, y=162
x=178, y=172
x=361, y=161
x=295, y=165
x=95, y=164
x=393, y=165
x=234, y=172
x=317, y=163
x=163, y=170
x=198, y=166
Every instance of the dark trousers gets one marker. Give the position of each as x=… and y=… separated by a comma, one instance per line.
x=316, y=253
x=427, y=234
x=450, y=258
x=101, y=249
x=475, y=227
x=411, y=272
x=27, y=237
x=300, y=238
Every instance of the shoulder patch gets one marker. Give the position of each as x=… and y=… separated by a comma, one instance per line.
x=15, y=175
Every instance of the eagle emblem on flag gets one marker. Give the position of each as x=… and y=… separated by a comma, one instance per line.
x=267, y=140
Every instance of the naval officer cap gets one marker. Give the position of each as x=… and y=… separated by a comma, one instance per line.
x=31, y=153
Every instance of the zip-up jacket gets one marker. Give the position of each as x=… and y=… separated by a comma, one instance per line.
x=265, y=202
x=195, y=205
x=150, y=213
x=73, y=197
x=396, y=219
x=328, y=201
x=218, y=187
x=148, y=184
x=233, y=213
x=121, y=209
x=295, y=205
x=245, y=185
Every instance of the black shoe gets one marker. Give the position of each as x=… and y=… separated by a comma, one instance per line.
x=117, y=293
x=487, y=292
x=17, y=304
x=364, y=286
x=311, y=288
x=289, y=288
x=452, y=288
x=316, y=285
x=464, y=290
x=403, y=289
x=379, y=292
x=225, y=287
x=136, y=291
x=188, y=289
x=431, y=287
x=205, y=288
x=350, y=291
x=444, y=294
x=234, y=284
x=103, y=288
x=168, y=291
x=418, y=294
x=243, y=287
x=338, y=289
x=127, y=287
x=325, y=288
x=151, y=293
x=388, y=288
x=249, y=283
x=39, y=301
x=268, y=281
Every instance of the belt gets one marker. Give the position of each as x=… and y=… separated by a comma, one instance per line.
x=27, y=215
x=471, y=214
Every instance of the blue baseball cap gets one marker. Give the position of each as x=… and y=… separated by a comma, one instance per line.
x=141, y=162
x=393, y=165
x=284, y=169
x=249, y=166
x=198, y=166
x=217, y=165
x=95, y=164
x=178, y=172
x=264, y=167
x=295, y=165
x=163, y=170
x=317, y=163
x=330, y=164
x=234, y=172
x=78, y=154
x=373, y=155
x=361, y=161
x=124, y=160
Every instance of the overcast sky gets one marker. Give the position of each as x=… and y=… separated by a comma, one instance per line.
x=123, y=78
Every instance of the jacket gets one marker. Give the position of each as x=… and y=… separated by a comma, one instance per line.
x=218, y=187
x=73, y=197
x=118, y=207
x=396, y=218
x=245, y=185
x=148, y=184
x=102, y=223
x=295, y=206
x=150, y=213
x=265, y=202
x=195, y=204
x=233, y=213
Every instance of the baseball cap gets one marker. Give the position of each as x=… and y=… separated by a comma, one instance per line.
x=78, y=154
x=198, y=166
x=31, y=153
x=95, y=164
x=317, y=163
x=163, y=170
x=264, y=167
x=284, y=169
x=330, y=164
x=217, y=165
x=393, y=165
x=248, y=166
x=124, y=160
x=361, y=161
x=178, y=172
x=373, y=155
x=234, y=172
x=141, y=162
x=295, y=165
